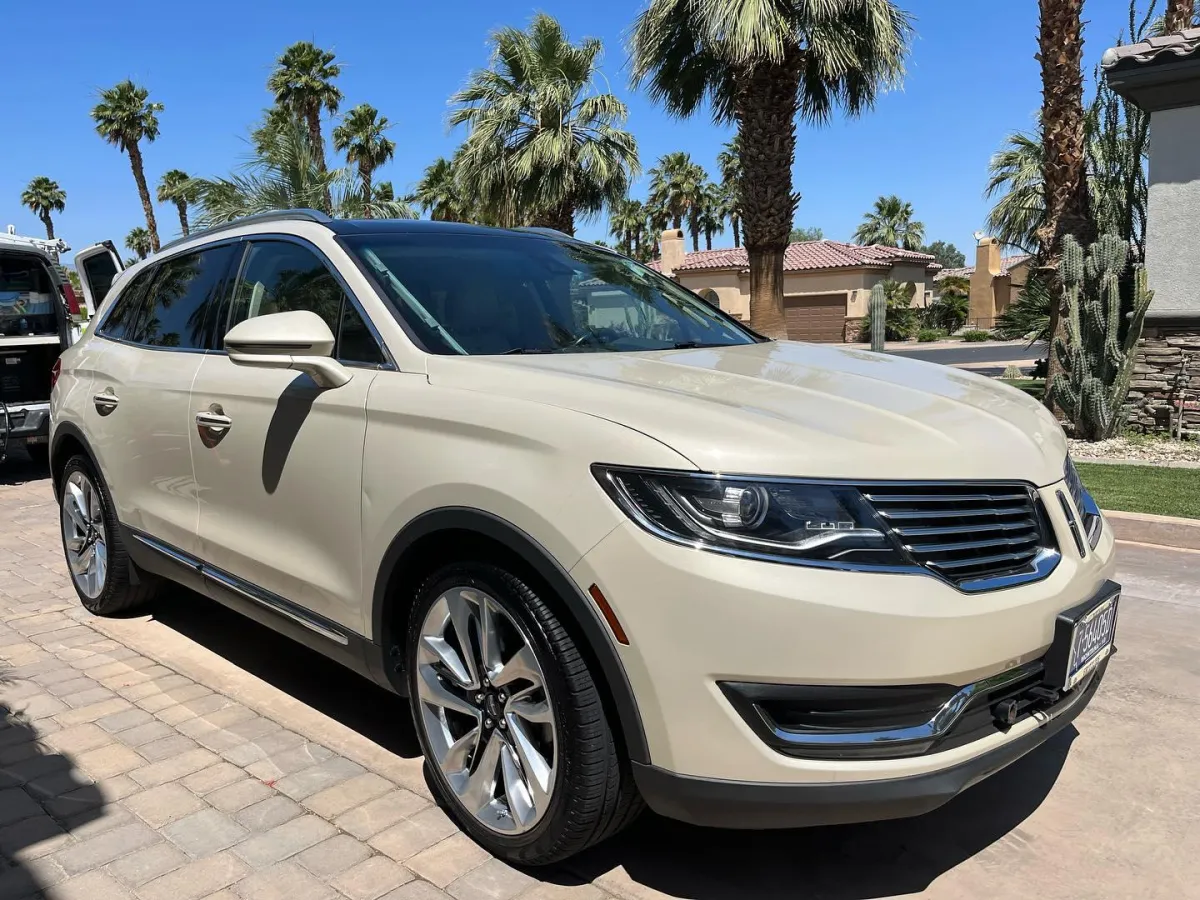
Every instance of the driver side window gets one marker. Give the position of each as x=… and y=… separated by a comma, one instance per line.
x=279, y=276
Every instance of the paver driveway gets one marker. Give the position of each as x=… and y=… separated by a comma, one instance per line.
x=193, y=754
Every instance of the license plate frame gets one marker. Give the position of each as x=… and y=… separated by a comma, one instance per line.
x=1084, y=636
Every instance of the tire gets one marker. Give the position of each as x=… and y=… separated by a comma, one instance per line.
x=592, y=794
x=118, y=589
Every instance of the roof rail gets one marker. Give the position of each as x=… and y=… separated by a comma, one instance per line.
x=538, y=229
x=275, y=215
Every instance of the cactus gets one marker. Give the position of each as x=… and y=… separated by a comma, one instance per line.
x=878, y=310
x=1097, y=364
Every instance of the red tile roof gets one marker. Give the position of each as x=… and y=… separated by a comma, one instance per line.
x=1006, y=263
x=807, y=255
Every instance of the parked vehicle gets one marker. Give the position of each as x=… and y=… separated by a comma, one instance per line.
x=38, y=320
x=614, y=546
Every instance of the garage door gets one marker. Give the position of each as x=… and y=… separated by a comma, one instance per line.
x=819, y=317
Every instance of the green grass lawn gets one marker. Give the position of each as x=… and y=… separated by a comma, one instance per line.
x=1034, y=387
x=1144, y=489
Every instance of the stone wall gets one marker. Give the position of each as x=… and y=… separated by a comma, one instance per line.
x=1167, y=374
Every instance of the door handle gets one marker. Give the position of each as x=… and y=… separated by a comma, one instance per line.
x=213, y=425
x=105, y=402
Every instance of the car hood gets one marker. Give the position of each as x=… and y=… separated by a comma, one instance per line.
x=784, y=408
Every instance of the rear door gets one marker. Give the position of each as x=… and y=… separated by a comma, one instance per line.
x=139, y=411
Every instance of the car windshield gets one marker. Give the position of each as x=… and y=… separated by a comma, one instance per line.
x=491, y=294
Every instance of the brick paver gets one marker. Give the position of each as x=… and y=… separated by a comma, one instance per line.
x=123, y=779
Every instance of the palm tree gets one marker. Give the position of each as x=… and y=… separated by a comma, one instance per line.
x=545, y=144
x=44, y=196
x=1015, y=172
x=626, y=221
x=383, y=192
x=890, y=223
x=361, y=137
x=675, y=185
x=177, y=186
x=303, y=84
x=285, y=174
x=1180, y=15
x=729, y=161
x=124, y=117
x=138, y=240
x=1064, y=151
x=709, y=215
x=760, y=65
x=439, y=193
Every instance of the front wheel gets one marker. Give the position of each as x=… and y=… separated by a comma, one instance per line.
x=511, y=723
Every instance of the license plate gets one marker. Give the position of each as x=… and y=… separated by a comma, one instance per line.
x=1083, y=639
x=1092, y=640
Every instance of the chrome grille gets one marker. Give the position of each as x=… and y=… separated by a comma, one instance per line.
x=964, y=532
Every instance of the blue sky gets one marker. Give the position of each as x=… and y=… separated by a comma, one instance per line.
x=971, y=79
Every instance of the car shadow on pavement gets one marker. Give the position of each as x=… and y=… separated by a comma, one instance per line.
x=18, y=468
x=304, y=674
x=42, y=799
x=845, y=862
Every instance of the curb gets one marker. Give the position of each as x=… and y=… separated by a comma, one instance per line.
x=1165, y=531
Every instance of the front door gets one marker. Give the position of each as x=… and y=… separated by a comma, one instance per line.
x=278, y=459
x=137, y=411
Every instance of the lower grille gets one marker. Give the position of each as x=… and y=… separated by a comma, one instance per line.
x=965, y=532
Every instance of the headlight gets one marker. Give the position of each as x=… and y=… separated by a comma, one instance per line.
x=1093, y=522
x=787, y=521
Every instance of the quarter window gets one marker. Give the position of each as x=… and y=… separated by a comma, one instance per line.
x=279, y=276
x=183, y=299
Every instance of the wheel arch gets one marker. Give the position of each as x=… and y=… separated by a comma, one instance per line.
x=441, y=535
x=67, y=441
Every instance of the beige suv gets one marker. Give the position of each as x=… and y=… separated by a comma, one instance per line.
x=615, y=547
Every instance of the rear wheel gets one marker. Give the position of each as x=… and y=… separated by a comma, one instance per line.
x=96, y=558
x=512, y=725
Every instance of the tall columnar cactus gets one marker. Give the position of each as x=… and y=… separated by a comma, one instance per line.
x=1097, y=365
x=878, y=311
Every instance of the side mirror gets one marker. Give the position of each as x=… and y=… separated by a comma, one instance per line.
x=297, y=340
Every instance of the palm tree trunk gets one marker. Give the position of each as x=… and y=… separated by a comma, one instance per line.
x=677, y=222
x=364, y=174
x=1060, y=52
x=695, y=230
x=48, y=222
x=708, y=236
x=1180, y=15
x=766, y=115
x=560, y=219
x=181, y=205
x=313, y=118
x=737, y=230
x=139, y=175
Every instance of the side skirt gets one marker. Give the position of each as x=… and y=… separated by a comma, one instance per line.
x=313, y=631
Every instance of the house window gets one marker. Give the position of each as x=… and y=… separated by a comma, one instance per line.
x=709, y=296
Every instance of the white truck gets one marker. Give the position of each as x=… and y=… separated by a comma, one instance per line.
x=40, y=316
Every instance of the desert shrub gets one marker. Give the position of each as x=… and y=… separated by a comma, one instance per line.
x=975, y=335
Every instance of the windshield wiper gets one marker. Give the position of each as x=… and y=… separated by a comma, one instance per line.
x=692, y=345
x=515, y=350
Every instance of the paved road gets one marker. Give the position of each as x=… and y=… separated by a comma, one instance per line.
x=977, y=354
x=192, y=753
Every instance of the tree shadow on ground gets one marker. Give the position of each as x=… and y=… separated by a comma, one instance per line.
x=303, y=674
x=42, y=798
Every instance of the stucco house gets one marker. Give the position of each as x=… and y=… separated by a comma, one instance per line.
x=826, y=284
x=996, y=281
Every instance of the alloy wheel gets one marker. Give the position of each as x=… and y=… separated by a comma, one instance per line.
x=485, y=710
x=84, y=535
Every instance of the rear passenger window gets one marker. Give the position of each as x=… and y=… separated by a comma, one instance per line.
x=183, y=300
x=127, y=307
x=280, y=276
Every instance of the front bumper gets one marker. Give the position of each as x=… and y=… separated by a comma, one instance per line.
x=741, y=804
x=699, y=621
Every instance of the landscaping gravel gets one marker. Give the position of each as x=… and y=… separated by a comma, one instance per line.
x=1143, y=451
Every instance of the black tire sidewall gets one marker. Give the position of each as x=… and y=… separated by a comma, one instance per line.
x=496, y=583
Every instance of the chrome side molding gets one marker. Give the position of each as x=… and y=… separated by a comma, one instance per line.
x=248, y=591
